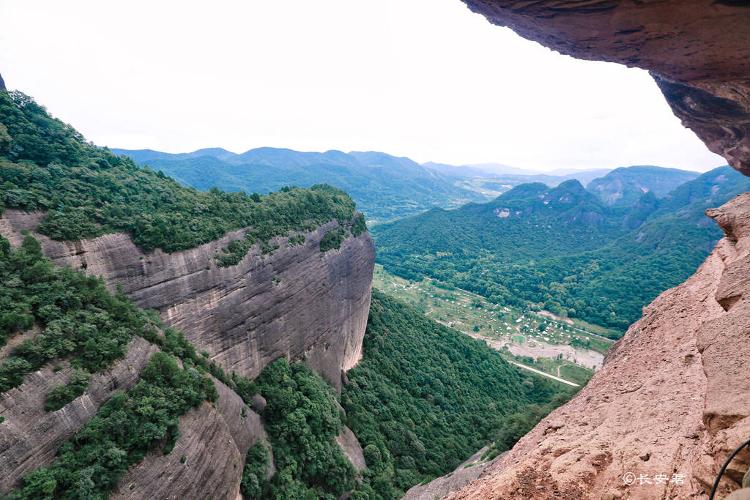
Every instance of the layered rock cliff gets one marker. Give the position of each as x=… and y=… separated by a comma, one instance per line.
x=697, y=50
x=30, y=436
x=297, y=302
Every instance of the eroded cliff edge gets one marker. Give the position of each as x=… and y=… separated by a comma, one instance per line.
x=297, y=302
x=672, y=400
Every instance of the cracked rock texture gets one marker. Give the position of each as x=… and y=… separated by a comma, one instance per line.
x=297, y=302
x=673, y=396
x=697, y=50
x=30, y=436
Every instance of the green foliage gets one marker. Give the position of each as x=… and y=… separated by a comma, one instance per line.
x=333, y=239
x=518, y=425
x=63, y=394
x=302, y=419
x=385, y=187
x=297, y=239
x=425, y=397
x=561, y=249
x=79, y=318
x=87, y=191
x=257, y=462
x=359, y=226
x=126, y=427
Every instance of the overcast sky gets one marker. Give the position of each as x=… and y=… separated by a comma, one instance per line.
x=426, y=79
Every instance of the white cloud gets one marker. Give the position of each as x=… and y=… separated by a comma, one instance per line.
x=421, y=78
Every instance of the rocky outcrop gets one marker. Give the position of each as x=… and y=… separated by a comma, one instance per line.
x=296, y=302
x=441, y=486
x=349, y=444
x=671, y=401
x=697, y=50
x=207, y=459
x=30, y=436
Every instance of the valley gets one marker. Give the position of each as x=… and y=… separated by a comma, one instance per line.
x=158, y=340
x=563, y=348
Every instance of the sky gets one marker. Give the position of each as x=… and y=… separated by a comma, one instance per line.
x=427, y=79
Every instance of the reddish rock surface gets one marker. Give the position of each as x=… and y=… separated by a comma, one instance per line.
x=672, y=398
x=697, y=50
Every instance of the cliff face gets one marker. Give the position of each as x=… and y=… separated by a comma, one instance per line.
x=697, y=50
x=207, y=459
x=297, y=302
x=673, y=397
x=30, y=436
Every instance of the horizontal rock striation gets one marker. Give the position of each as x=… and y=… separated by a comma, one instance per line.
x=30, y=436
x=297, y=302
x=207, y=459
x=672, y=399
x=697, y=50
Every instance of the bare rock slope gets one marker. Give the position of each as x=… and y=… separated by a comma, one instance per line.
x=671, y=402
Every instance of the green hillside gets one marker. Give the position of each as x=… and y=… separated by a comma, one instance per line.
x=87, y=191
x=623, y=187
x=562, y=249
x=385, y=187
x=425, y=397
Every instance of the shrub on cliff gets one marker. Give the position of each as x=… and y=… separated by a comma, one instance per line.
x=126, y=427
x=302, y=419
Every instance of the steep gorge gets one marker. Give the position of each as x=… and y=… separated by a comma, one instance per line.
x=672, y=399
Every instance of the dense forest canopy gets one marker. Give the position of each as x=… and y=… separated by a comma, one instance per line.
x=385, y=187
x=563, y=250
x=87, y=191
x=425, y=397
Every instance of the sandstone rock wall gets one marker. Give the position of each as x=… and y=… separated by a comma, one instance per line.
x=297, y=302
x=30, y=436
x=697, y=50
x=672, y=399
x=207, y=459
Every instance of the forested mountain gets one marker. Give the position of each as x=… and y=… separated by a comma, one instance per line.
x=623, y=187
x=384, y=187
x=422, y=399
x=562, y=249
x=424, y=396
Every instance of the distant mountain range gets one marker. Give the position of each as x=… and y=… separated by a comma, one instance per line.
x=385, y=187
x=599, y=254
x=624, y=186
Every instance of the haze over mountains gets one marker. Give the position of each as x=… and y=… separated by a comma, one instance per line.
x=385, y=187
x=599, y=254
x=603, y=243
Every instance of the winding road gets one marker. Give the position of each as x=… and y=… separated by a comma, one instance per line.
x=539, y=372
